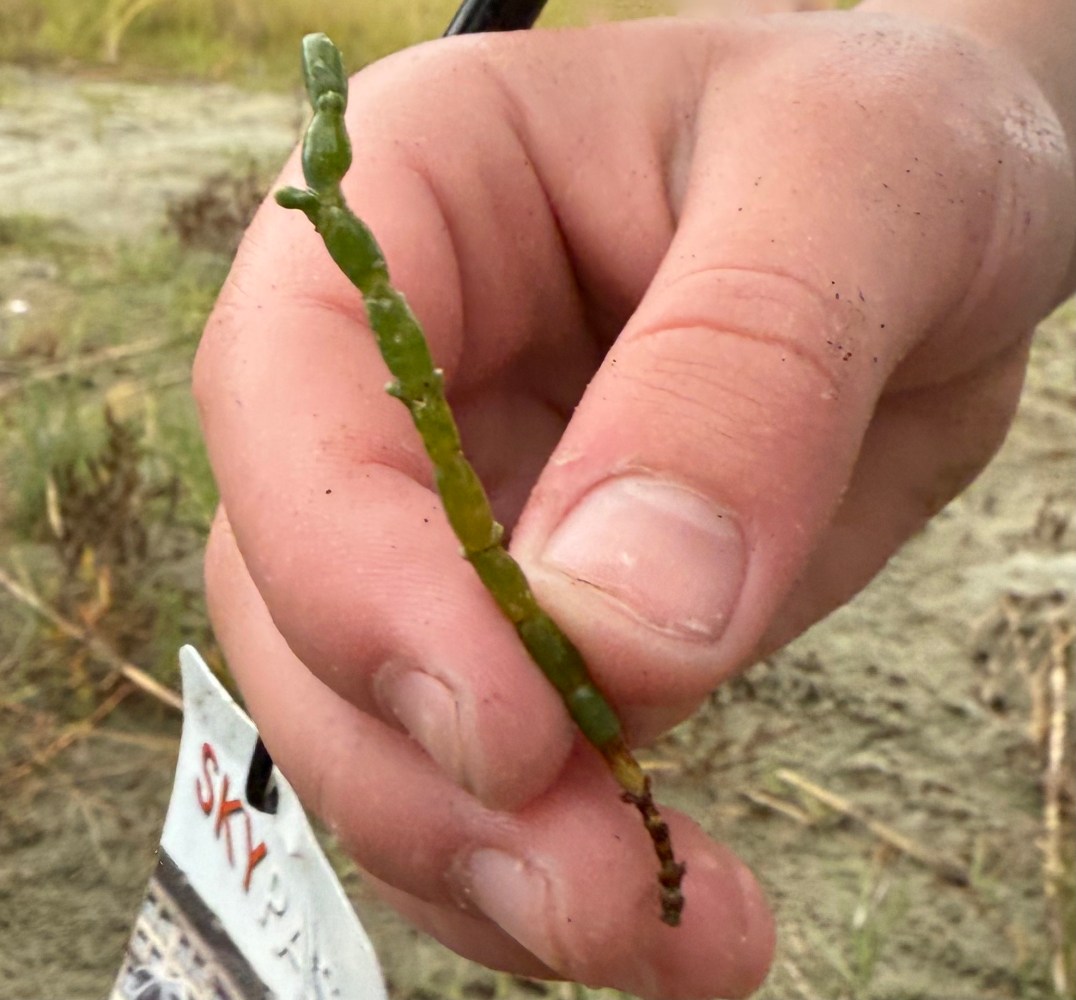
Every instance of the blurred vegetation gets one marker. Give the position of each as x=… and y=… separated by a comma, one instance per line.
x=238, y=40
x=107, y=494
x=243, y=41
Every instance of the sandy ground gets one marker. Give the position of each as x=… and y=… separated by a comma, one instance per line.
x=920, y=704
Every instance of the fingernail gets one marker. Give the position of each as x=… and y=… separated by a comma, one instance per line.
x=753, y=945
x=428, y=710
x=757, y=921
x=516, y=896
x=665, y=553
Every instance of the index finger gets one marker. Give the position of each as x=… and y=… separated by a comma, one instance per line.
x=324, y=480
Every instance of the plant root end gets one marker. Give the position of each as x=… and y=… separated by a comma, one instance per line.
x=636, y=786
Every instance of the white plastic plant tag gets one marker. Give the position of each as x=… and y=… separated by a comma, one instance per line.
x=243, y=903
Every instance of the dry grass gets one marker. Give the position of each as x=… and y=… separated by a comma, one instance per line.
x=220, y=39
x=106, y=493
x=239, y=40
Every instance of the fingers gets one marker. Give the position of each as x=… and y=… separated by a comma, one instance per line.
x=725, y=432
x=472, y=936
x=898, y=484
x=726, y=956
x=566, y=884
x=324, y=479
x=399, y=651
x=712, y=451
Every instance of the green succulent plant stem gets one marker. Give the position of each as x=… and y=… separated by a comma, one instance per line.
x=419, y=385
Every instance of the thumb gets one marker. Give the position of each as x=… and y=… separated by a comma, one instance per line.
x=707, y=456
x=711, y=450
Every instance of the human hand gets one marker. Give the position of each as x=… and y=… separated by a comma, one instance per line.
x=810, y=252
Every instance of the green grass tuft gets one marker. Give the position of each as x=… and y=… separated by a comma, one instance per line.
x=107, y=494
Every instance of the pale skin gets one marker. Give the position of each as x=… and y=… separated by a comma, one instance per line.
x=798, y=260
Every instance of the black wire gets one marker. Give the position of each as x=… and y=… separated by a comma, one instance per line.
x=259, y=794
x=494, y=15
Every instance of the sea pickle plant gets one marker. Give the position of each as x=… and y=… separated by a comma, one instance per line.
x=419, y=385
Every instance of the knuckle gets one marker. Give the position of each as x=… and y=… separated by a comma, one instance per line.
x=816, y=333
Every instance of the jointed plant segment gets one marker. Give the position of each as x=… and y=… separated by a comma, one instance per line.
x=326, y=157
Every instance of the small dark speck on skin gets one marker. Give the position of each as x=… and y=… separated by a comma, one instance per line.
x=875, y=359
x=862, y=297
x=881, y=326
x=327, y=492
x=837, y=295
